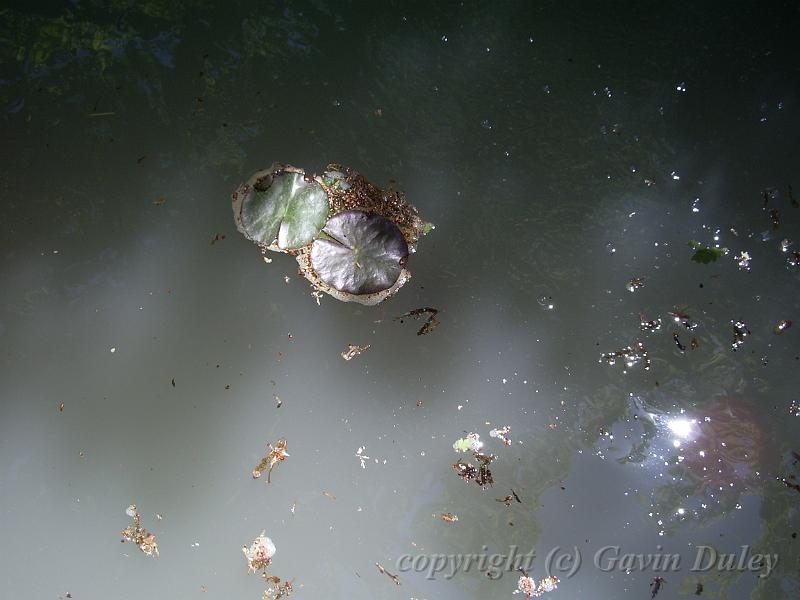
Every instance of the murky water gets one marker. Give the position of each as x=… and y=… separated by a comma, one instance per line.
x=560, y=152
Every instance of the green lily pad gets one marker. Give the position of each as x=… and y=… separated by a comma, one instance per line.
x=359, y=253
x=282, y=209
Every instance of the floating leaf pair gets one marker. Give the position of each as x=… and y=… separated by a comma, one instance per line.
x=351, y=238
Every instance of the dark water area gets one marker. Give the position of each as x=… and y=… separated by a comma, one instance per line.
x=567, y=154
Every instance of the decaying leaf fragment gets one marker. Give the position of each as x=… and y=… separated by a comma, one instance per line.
x=430, y=323
x=649, y=324
x=509, y=498
x=259, y=554
x=635, y=284
x=740, y=331
x=449, y=517
x=276, y=454
x=632, y=355
x=394, y=578
x=501, y=433
x=528, y=586
x=683, y=319
x=353, y=351
x=280, y=590
x=139, y=535
x=480, y=474
x=782, y=326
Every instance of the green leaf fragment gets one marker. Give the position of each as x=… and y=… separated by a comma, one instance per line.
x=705, y=254
x=462, y=445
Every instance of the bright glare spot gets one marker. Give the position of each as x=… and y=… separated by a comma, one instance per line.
x=680, y=427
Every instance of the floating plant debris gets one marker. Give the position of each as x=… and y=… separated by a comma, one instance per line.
x=449, y=517
x=471, y=443
x=782, y=326
x=509, y=499
x=353, y=351
x=694, y=344
x=259, y=554
x=740, y=331
x=635, y=284
x=394, y=578
x=649, y=325
x=60, y=407
x=363, y=458
x=501, y=434
x=655, y=586
x=528, y=586
x=281, y=590
x=431, y=322
x=743, y=260
x=139, y=535
x=350, y=238
x=632, y=355
x=677, y=340
x=218, y=237
x=276, y=454
x=775, y=217
x=480, y=474
x=705, y=254
x=683, y=319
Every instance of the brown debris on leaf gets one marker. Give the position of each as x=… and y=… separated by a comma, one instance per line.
x=349, y=190
x=394, y=578
x=353, y=351
x=431, y=322
x=276, y=454
x=139, y=535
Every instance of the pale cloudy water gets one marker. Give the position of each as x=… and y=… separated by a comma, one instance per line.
x=561, y=151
